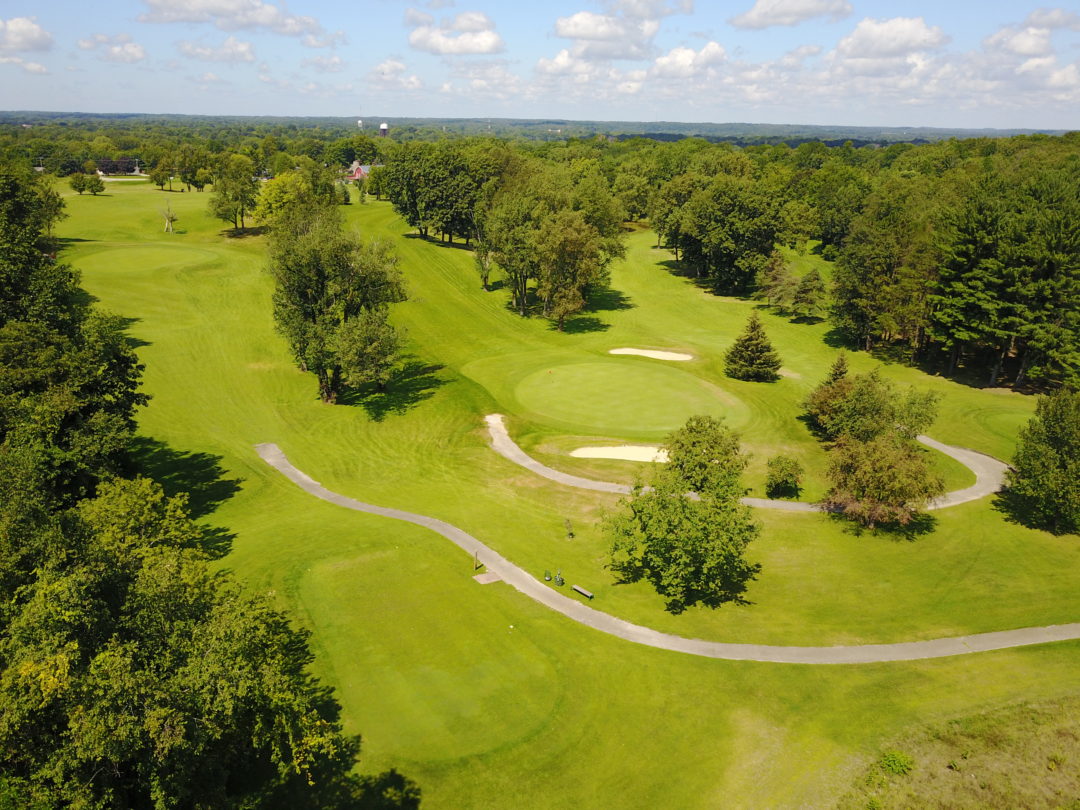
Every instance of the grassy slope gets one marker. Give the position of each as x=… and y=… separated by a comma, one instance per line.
x=426, y=661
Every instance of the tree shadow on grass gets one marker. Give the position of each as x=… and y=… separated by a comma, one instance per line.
x=1022, y=511
x=133, y=342
x=922, y=524
x=200, y=475
x=243, y=233
x=581, y=325
x=411, y=384
x=608, y=300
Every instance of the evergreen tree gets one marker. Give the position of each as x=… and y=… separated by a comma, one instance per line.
x=809, y=298
x=1043, y=486
x=751, y=357
x=777, y=285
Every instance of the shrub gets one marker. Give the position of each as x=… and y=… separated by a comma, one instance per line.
x=896, y=763
x=784, y=477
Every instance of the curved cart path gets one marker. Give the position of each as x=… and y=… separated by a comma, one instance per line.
x=989, y=472
x=605, y=623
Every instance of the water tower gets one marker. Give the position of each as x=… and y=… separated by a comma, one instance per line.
x=384, y=129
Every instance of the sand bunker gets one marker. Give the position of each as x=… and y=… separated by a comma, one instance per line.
x=627, y=452
x=655, y=355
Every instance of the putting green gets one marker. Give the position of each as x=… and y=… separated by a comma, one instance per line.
x=621, y=397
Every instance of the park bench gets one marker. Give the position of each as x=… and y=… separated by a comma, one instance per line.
x=582, y=591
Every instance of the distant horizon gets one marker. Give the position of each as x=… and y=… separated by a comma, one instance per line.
x=372, y=124
x=995, y=64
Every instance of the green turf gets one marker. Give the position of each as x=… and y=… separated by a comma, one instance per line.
x=609, y=396
x=547, y=713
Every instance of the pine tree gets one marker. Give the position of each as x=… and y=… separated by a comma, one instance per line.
x=808, y=301
x=838, y=371
x=751, y=357
x=777, y=284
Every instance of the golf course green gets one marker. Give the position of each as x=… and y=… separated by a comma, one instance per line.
x=482, y=696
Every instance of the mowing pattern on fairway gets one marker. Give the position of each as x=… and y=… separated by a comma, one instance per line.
x=989, y=472
x=605, y=623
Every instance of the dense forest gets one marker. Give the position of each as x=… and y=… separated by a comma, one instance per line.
x=959, y=255
x=132, y=674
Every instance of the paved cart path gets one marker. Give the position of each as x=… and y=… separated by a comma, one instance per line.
x=989, y=472
x=605, y=623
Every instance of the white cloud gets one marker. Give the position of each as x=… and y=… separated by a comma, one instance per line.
x=587, y=25
x=470, y=32
x=115, y=48
x=1068, y=78
x=29, y=67
x=900, y=36
x=391, y=73
x=766, y=13
x=24, y=34
x=626, y=32
x=1053, y=18
x=127, y=52
x=1027, y=41
x=685, y=63
x=232, y=15
x=563, y=64
x=231, y=50
x=331, y=40
x=326, y=64
x=415, y=17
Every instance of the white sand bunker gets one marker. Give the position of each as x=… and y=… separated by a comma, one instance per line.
x=655, y=355
x=627, y=452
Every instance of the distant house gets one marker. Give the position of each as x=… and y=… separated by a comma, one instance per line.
x=358, y=171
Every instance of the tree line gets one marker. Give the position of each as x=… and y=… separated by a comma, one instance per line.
x=956, y=255
x=132, y=674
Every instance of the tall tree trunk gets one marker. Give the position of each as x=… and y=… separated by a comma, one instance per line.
x=954, y=359
x=1025, y=361
x=996, y=371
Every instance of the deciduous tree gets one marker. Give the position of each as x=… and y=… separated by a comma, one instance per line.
x=1043, y=486
x=690, y=549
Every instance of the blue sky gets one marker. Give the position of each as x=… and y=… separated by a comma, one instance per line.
x=951, y=63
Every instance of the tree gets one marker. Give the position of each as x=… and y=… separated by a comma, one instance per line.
x=569, y=258
x=78, y=182
x=159, y=176
x=728, y=231
x=94, y=184
x=867, y=405
x=885, y=480
x=330, y=298
x=777, y=285
x=809, y=298
x=690, y=549
x=784, y=477
x=235, y=190
x=1043, y=487
x=751, y=356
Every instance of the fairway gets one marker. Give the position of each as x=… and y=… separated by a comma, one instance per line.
x=612, y=397
x=484, y=697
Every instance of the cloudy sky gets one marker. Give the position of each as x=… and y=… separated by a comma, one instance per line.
x=953, y=63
